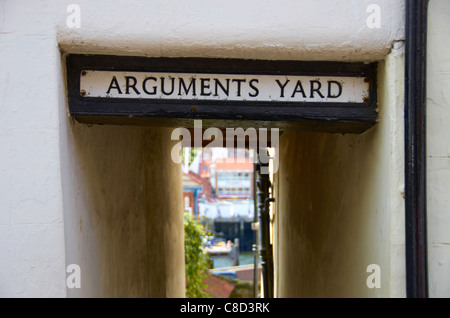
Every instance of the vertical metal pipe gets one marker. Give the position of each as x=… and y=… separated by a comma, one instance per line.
x=265, y=248
x=415, y=150
x=256, y=236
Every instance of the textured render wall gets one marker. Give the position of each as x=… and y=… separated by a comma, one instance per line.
x=340, y=204
x=32, y=260
x=123, y=211
x=260, y=29
x=438, y=148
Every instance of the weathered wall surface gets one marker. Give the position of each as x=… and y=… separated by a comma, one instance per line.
x=340, y=206
x=255, y=29
x=123, y=212
x=438, y=148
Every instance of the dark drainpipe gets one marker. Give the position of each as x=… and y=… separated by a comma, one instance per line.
x=256, y=236
x=263, y=201
x=415, y=150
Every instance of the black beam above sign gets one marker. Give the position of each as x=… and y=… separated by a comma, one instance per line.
x=323, y=96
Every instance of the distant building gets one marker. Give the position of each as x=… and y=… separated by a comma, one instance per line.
x=191, y=192
x=206, y=161
x=225, y=174
x=234, y=180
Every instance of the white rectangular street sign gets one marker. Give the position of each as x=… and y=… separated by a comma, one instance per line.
x=129, y=90
x=223, y=87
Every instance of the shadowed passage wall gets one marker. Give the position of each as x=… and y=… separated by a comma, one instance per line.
x=123, y=211
x=340, y=204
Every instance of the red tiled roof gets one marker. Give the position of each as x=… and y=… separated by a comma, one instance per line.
x=218, y=287
x=189, y=180
x=205, y=182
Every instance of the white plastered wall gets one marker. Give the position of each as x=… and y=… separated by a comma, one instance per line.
x=32, y=249
x=255, y=29
x=33, y=122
